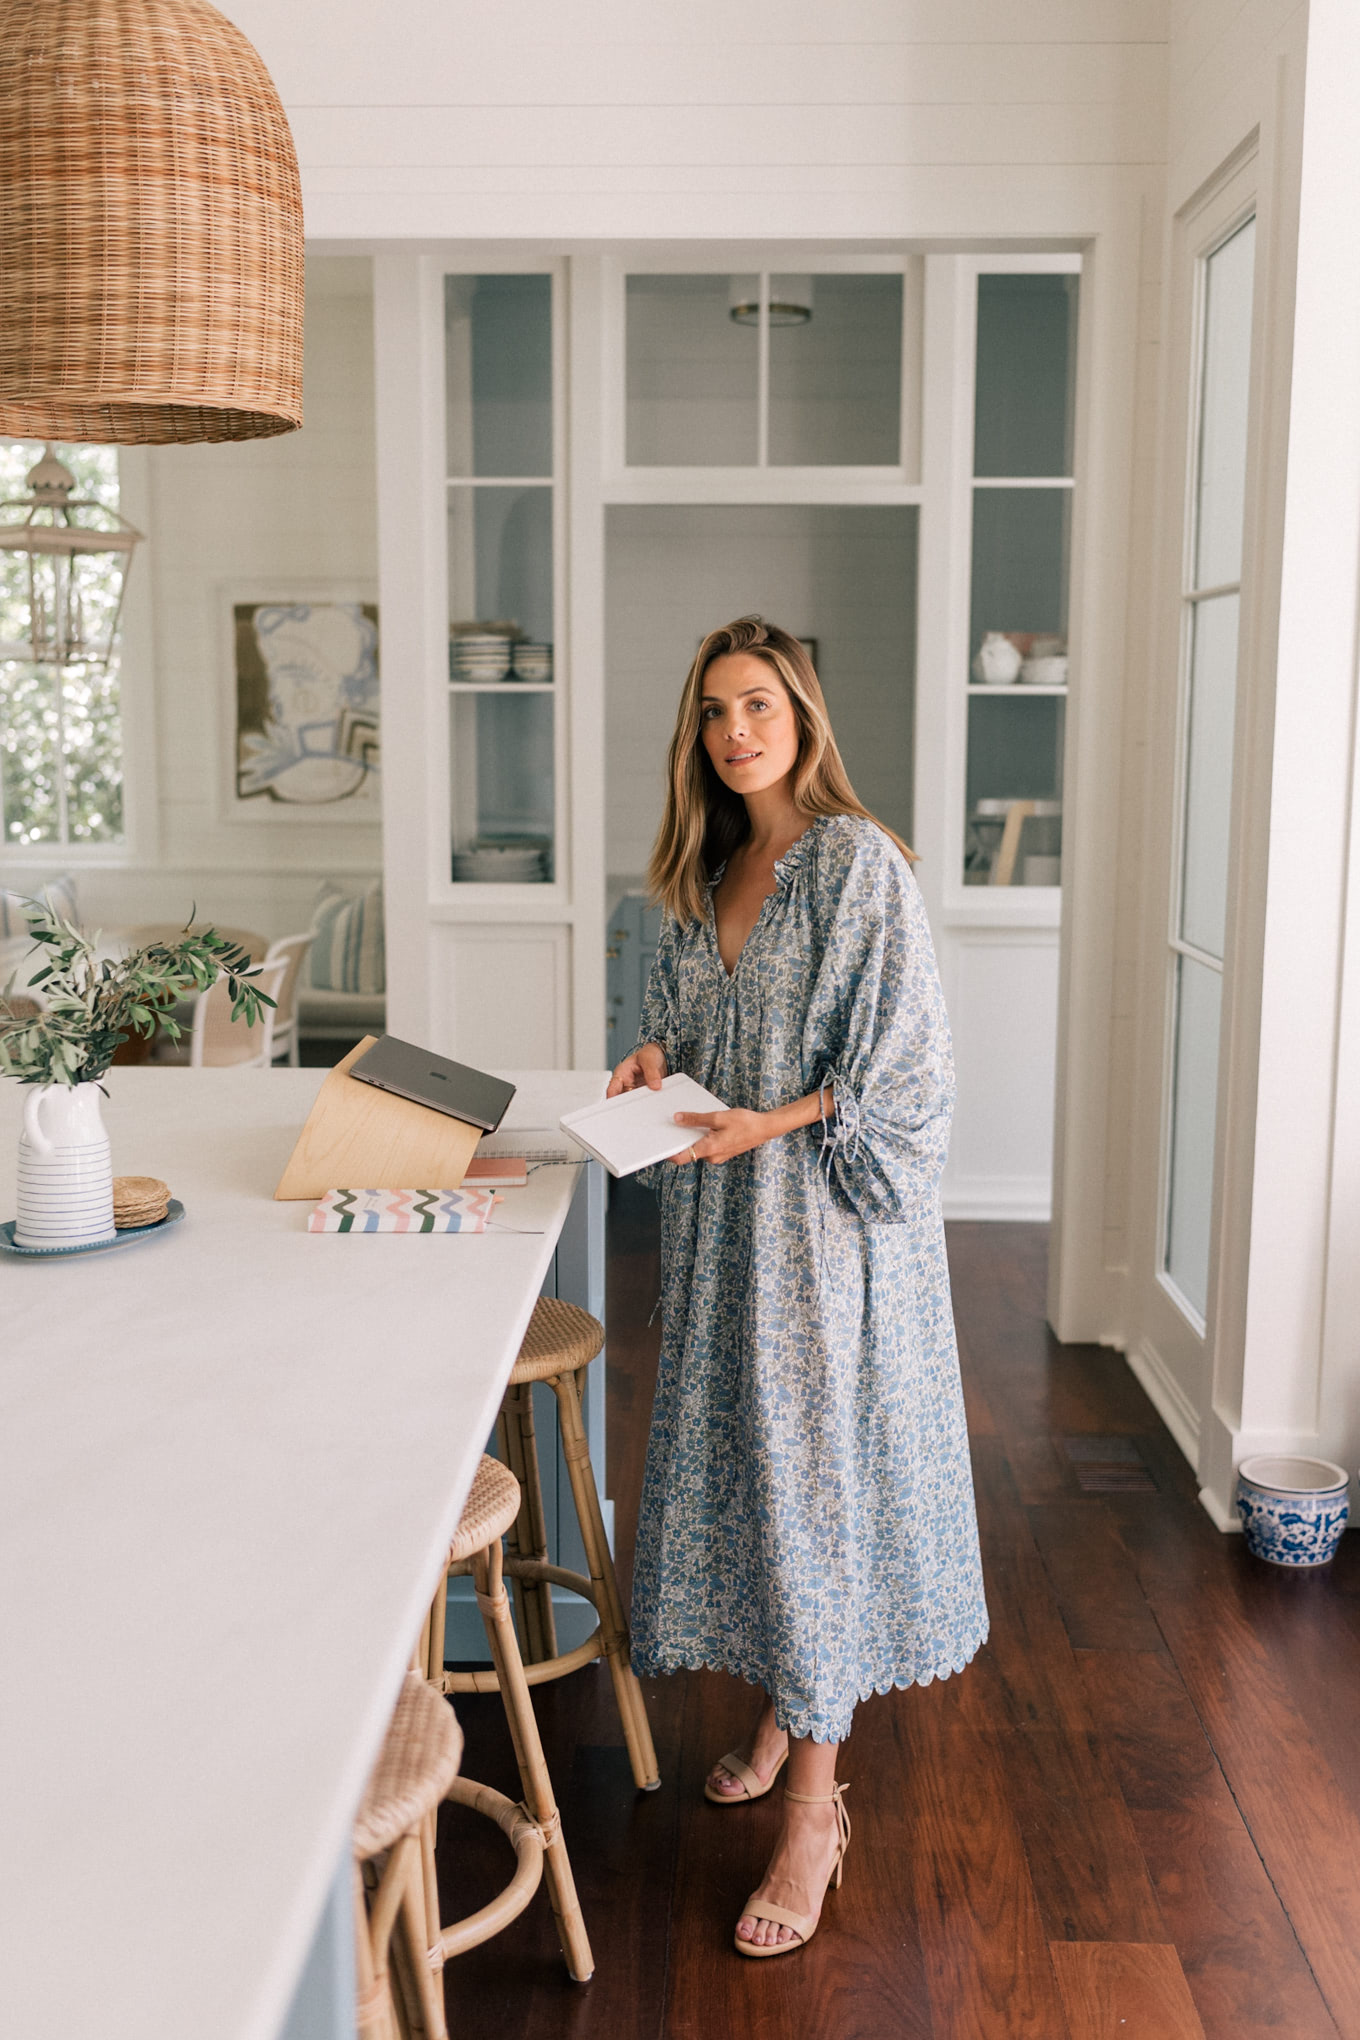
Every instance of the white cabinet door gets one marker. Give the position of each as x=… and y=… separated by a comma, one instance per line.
x=501, y=994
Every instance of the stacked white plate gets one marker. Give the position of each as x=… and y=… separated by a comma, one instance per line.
x=479, y=655
x=493, y=862
x=533, y=661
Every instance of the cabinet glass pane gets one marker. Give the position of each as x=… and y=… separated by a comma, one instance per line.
x=501, y=754
x=1208, y=771
x=501, y=559
x=835, y=371
x=1021, y=549
x=498, y=374
x=1194, y=1096
x=1015, y=753
x=692, y=371
x=843, y=575
x=1221, y=494
x=1026, y=361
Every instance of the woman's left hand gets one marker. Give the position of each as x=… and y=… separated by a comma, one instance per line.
x=724, y=1134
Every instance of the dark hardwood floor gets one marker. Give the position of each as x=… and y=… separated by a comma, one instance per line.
x=1136, y=1816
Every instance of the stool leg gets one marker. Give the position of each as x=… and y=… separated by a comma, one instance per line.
x=533, y=1769
x=632, y=1708
x=427, y=1981
x=518, y=1536
x=431, y=1665
x=373, y=2010
x=529, y=1538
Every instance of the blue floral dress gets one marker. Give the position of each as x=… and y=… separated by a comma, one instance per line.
x=807, y=1516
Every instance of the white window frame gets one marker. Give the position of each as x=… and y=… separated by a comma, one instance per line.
x=1223, y=228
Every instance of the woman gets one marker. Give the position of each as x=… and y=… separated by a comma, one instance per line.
x=807, y=1512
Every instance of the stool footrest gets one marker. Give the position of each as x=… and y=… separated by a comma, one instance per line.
x=526, y=1839
x=534, y=1675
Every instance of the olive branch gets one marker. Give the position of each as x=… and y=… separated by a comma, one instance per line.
x=93, y=1004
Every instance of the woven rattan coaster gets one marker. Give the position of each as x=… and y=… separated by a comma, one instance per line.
x=139, y=1200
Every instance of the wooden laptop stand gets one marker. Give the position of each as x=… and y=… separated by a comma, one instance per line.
x=360, y=1138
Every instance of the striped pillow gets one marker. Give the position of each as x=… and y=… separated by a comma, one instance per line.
x=347, y=953
x=15, y=908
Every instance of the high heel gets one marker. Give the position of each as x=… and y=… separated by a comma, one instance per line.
x=803, y=1924
x=750, y=1780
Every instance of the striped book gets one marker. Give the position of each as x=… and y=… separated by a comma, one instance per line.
x=407, y=1211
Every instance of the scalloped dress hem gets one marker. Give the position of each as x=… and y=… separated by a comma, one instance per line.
x=821, y=1728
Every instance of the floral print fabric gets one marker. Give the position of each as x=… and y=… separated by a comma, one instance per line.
x=807, y=1516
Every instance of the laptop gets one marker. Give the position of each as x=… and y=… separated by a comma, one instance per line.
x=429, y=1079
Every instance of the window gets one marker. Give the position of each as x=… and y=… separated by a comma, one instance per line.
x=61, y=736
x=1210, y=604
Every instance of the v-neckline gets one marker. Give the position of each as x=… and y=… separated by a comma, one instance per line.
x=781, y=867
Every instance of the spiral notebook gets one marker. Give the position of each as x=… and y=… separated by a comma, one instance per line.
x=637, y=1128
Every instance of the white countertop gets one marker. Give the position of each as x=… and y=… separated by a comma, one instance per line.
x=229, y=1460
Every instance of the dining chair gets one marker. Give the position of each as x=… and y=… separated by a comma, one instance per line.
x=292, y=950
x=217, y=1041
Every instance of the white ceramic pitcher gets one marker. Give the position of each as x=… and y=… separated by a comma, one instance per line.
x=65, y=1172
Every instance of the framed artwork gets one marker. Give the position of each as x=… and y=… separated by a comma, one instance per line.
x=305, y=733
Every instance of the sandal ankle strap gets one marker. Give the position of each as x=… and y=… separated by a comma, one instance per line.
x=830, y=1798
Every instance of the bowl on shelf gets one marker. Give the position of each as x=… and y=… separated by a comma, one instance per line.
x=479, y=656
x=1293, y=1510
x=533, y=662
x=1047, y=670
x=502, y=861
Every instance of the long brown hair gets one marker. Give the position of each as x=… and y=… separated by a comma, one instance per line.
x=704, y=820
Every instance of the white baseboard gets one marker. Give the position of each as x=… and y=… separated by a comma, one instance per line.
x=1019, y=1199
x=1168, y=1398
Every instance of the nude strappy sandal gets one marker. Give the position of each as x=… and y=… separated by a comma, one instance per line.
x=803, y=1924
x=754, y=1786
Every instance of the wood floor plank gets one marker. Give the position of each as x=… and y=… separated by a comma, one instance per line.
x=1117, y=1990
x=1095, y=1582
x=987, y=1965
x=1086, y=1863
x=1245, y=1967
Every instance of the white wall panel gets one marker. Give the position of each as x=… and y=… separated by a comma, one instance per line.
x=1002, y=993
x=501, y=996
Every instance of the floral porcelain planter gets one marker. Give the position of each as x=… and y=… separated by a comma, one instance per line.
x=65, y=1172
x=1293, y=1510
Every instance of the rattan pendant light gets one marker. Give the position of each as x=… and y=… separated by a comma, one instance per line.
x=150, y=227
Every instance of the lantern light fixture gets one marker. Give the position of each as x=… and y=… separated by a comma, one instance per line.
x=77, y=553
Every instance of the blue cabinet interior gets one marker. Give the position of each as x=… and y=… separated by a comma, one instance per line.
x=632, y=933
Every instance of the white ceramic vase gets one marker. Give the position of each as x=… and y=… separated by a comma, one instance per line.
x=65, y=1172
x=997, y=661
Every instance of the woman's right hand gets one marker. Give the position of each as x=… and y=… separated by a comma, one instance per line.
x=646, y=1065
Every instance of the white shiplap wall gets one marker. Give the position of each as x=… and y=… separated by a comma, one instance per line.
x=607, y=119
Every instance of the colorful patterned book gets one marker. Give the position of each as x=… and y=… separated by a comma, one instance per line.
x=403, y=1211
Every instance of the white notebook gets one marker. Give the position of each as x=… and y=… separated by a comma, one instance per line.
x=637, y=1128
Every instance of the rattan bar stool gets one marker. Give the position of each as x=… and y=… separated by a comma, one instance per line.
x=393, y=1834
x=491, y=1509
x=559, y=1345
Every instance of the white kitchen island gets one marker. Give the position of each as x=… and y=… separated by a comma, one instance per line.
x=230, y=1459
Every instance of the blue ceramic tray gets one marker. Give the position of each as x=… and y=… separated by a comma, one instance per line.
x=129, y=1238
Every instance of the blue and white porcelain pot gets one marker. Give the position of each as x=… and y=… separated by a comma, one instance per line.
x=1293, y=1510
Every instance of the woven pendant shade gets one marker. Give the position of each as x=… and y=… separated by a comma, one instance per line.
x=150, y=228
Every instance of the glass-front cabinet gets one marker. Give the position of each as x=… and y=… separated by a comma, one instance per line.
x=1020, y=526
x=501, y=466
x=771, y=370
